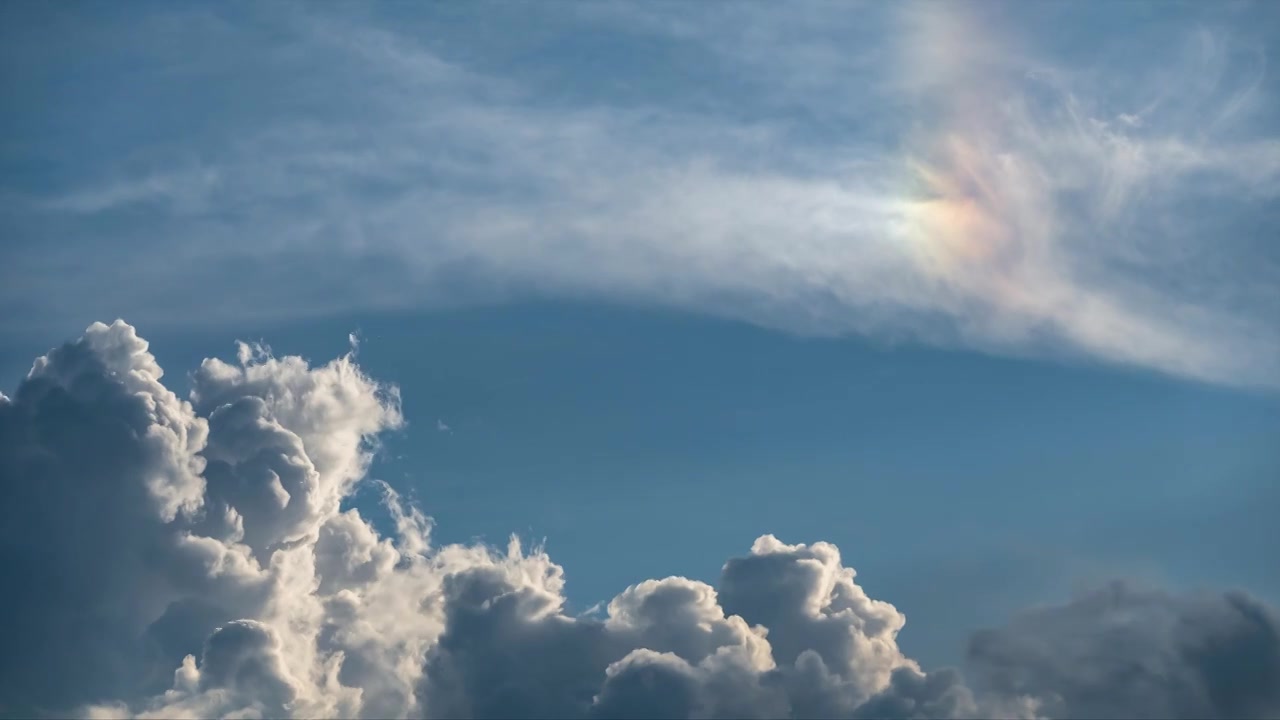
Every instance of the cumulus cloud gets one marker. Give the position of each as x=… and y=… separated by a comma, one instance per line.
x=193, y=558
x=1123, y=651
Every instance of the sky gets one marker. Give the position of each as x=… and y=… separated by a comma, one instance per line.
x=650, y=359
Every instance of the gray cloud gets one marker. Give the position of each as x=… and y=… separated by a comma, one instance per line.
x=1128, y=652
x=167, y=558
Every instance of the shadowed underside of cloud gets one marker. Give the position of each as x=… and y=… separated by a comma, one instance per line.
x=900, y=172
x=191, y=558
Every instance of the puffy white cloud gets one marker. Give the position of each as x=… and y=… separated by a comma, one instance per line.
x=166, y=558
x=99, y=462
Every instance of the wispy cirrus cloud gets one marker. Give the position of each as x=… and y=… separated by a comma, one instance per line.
x=937, y=182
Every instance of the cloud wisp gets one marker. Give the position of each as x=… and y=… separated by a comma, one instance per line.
x=941, y=184
x=170, y=558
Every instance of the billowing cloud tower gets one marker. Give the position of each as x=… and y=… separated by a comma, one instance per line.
x=195, y=558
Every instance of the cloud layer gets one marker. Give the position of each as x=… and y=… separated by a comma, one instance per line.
x=193, y=558
x=902, y=172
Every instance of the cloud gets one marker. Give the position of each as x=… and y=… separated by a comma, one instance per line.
x=1127, y=652
x=97, y=459
x=939, y=182
x=192, y=558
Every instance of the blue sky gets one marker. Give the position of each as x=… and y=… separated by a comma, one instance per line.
x=985, y=294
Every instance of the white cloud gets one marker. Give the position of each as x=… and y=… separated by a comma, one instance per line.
x=192, y=559
x=994, y=199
